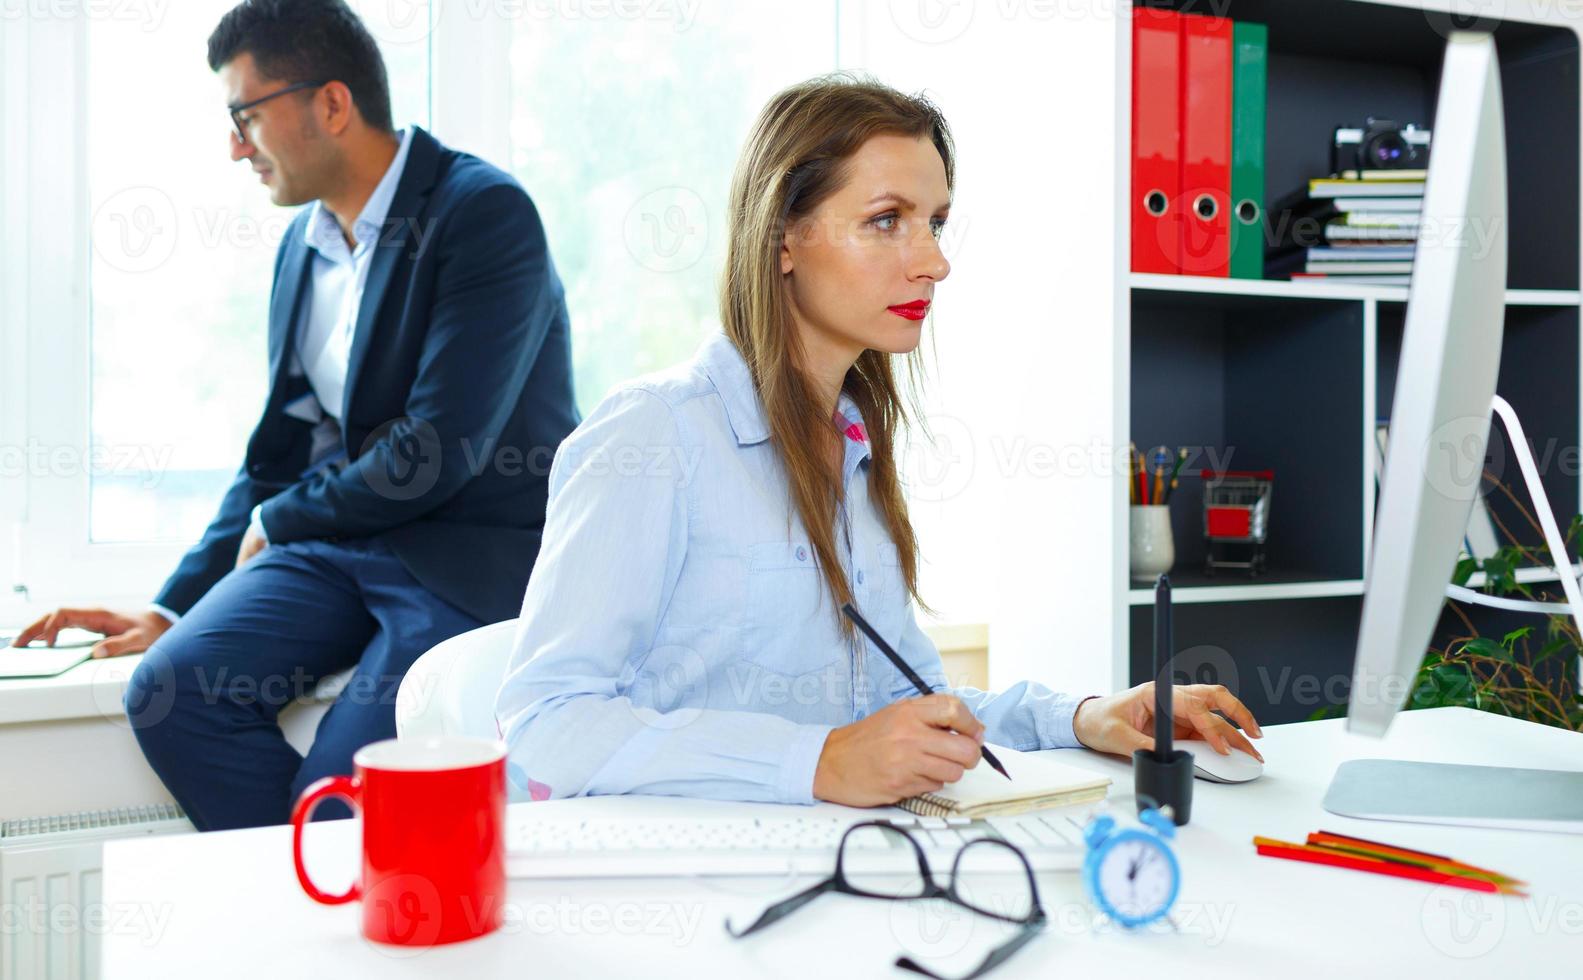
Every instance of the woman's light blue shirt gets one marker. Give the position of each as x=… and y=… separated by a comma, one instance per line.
x=676, y=637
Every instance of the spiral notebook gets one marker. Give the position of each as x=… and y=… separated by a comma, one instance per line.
x=1037, y=781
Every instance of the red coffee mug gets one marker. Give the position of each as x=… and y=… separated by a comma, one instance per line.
x=434, y=846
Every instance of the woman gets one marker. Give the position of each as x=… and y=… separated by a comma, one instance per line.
x=681, y=633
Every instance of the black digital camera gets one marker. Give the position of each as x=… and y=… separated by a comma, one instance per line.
x=1380, y=145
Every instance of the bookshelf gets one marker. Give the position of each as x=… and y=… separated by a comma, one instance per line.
x=1292, y=376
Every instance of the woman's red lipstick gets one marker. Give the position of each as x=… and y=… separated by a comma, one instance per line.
x=916, y=310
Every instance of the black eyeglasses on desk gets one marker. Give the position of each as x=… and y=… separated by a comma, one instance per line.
x=984, y=854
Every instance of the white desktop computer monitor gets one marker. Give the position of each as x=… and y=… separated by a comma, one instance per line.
x=1440, y=418
x=1440, y=421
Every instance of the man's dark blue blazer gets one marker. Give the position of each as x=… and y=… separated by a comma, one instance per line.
x=458, y=392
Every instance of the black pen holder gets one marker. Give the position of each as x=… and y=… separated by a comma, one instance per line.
x=1164, y=782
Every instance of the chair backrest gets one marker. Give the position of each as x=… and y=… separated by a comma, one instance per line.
x=451, y=689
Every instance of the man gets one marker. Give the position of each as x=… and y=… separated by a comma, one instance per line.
x=393, y=492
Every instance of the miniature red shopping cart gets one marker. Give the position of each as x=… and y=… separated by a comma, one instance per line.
x=1236, y=519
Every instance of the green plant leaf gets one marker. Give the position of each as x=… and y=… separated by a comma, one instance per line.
x=1551, y=649
x=1483, y=646
x=1425, y=693
x=1453, y=683
x=1497, y=565
x=1446, y=678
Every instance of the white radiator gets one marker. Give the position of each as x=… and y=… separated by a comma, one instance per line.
x=52, y=917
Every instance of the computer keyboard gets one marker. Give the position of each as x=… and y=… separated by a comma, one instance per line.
x=560, y=847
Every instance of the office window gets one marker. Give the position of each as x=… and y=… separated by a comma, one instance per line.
x=183, y=243
x=625, y=130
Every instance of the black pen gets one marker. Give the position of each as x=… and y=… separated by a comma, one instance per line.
x=910, y=674
x=1164, y=671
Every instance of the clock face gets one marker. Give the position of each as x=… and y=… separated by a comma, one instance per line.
x=1137, y=878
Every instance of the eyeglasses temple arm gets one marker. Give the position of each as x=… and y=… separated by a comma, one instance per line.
x=783, y=908
x=996, y=956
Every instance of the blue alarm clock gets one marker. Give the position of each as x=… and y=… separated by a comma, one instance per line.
x=1132, y=874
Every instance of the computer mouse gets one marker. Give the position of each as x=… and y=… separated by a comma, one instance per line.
x=1237, y=767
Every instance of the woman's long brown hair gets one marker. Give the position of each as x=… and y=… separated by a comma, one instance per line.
x=796, y=158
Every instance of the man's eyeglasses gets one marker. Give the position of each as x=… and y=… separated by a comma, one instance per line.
x=239, y=129
x=1017, y=904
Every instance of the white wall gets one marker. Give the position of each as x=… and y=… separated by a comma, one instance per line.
x=1015, y=514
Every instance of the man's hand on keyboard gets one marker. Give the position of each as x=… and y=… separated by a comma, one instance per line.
x=910, y=747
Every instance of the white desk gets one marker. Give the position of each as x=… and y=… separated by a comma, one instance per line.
x=195, y=906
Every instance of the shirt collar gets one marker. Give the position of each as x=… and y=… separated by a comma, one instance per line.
x=729, y=371
x=850, y=421
x=322, y=229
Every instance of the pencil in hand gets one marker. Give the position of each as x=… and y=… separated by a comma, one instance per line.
x=909, y=673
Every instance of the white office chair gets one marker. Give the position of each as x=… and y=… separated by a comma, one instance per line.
x=451, y=689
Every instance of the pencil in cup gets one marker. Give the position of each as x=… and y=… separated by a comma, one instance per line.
x=1161, y=459
x=1181, y=457
x=1144, y=491
x=1132, y=474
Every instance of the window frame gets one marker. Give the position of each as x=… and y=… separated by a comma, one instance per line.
x=47, y=554
x=47, y=330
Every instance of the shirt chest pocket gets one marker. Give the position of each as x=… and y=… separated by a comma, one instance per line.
x=887, y=566
x=883, y=597
x=791, y=629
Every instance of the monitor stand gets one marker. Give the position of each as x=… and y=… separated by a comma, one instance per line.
x=1465, y=796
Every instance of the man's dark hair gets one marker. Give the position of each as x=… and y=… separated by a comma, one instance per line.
x=307, y=41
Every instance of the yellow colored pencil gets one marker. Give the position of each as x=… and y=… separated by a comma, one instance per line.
x=1132, y=473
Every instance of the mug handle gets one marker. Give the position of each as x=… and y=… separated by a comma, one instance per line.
x=348, y=788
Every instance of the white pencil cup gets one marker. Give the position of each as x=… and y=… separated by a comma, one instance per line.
x=1152, y=550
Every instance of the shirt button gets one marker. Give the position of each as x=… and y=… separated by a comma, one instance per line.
x=860, y=577
x=802, y=553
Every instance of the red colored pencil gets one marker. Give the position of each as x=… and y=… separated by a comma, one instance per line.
x=1302, y=852
x=1392, y=852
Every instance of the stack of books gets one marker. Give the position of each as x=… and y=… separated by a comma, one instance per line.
x=1357, y=227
